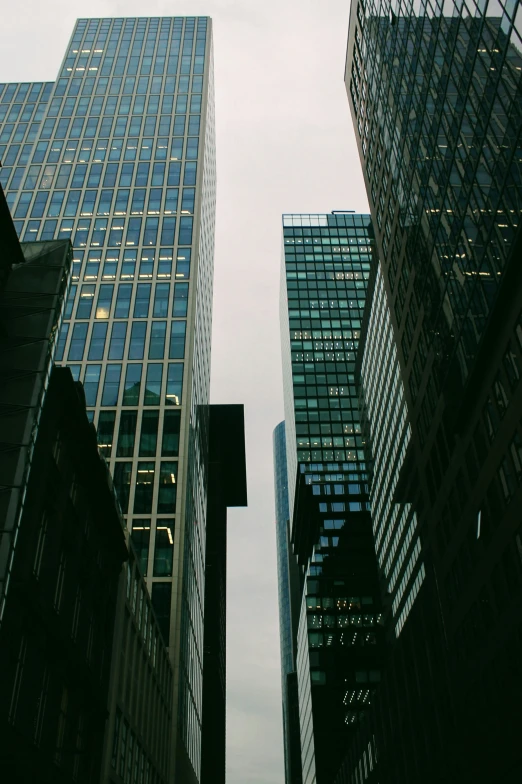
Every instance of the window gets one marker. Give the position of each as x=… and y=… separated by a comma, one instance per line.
x=141, y=540
x=133, y=231
x=105, y=203
x=111, y=385
x=163, y=548
x=77, y=345
x=171, y=428
x=138, y=201
x=161, y=599
x=103, y=306
x=150, y=235
x=149, y=433
x=187, y=202
x=127, y=433
x=122, y=480
x=105, y=429
x=131, y=391
x=183, y=263
x=157, y=339
x=141, y=304
x=185, y=231
x=171, y=201
x=144, y=488
x=117, y=342
x=161, y=300
x=90, y=383
x=168, y=231
x=177, y=340
x=123, y=300
x=167, y=487
x=180, y=303
x=153, y=385
x=174, y=384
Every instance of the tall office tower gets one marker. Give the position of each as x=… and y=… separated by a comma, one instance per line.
x=288, y=584
x=435, y=93
x=118, y=155
x=326, y=262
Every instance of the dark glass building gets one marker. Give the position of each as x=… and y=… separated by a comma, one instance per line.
x=326, y=264
x=288, y=584
x=436, y=97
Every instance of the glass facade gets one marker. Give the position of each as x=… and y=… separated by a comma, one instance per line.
x=118, y=155
x=435, y=91
x=397, y=542
x=326, y=266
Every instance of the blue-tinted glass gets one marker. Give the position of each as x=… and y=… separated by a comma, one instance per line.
x=71, y=205
x=111, y=385
x=103, y=305
x=150, y=235
x=180, y=303
x=185, y=231
x=131, y=390
x=157, y=339
x=77, y=345
x=137, y=340
x=123, y=300
x=39, y=204
x=177, y=340
x=138, y=201
x=88, y=203
x=141, y=304
x=117, y=342
x=105, y=203
x=91, y=383
x=183, y=263
x=84, y=308
x=153, y=385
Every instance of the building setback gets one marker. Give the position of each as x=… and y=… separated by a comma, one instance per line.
x=435, y=96
x=326, y=263
x=118, y=155
x=61, y=545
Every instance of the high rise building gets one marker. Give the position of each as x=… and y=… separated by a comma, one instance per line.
x=288, y=584
x=118, y=155
x=435, y=93
x=326, y=264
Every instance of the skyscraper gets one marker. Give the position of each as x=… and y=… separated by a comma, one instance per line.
x=435, y=93
x=326, y=264
x=118, y=155
x=288, y=584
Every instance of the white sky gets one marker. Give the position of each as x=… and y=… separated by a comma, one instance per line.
x=284, y=144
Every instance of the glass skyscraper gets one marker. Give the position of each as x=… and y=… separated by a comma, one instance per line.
x=325, y=271
x=119, y=156
x=435, y=90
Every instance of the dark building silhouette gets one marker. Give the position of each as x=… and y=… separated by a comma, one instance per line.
x=289, y=591
x=436, y=103
x=140, y=704
x=62, y=543
x=226, y=488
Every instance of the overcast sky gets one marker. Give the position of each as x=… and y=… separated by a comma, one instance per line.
x=284, y=144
